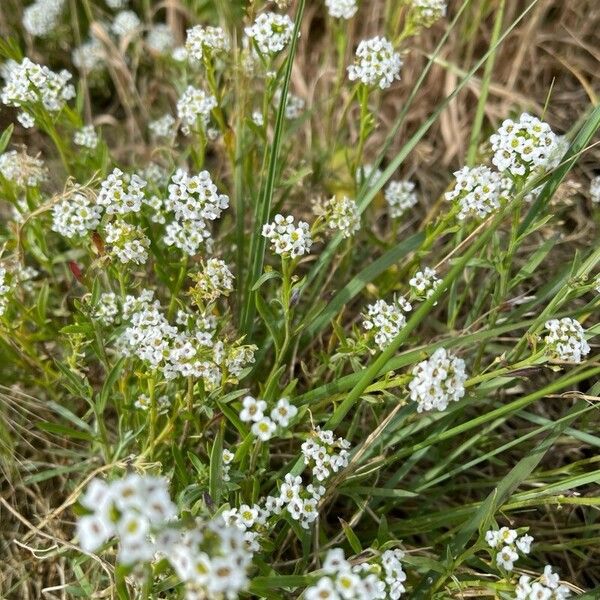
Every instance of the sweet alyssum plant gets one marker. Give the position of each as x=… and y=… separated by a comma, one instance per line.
x=246, y=382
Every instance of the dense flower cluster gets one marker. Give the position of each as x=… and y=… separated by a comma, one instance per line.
x=194, y=202
x=132, y=509
x=21, y=169
x=160, y=38
x=544, y=587
x=86, y=137
x=271, y=32
x=341, y=214
x=288, y=239
x=400, y=196
x=214, y=280
x=165, y=127
x=325, y=454
x=384, y=321
x=29, y=83
x=194, y=105
x=341, y=9
x=75, y=216
x=89, y=56
x=121, y=193
x=376, y=64
x=424, y=283
x=524, y=147
x=300, y=501
x=380, y=578
x=125, y=23
x=127, y=242
x=477, y=191
x=566, y=340
x=438, y=381
x=41, y=17
x=595, y=189
x=425, y=13
x=203, y=41
x=211, y=558
x=507, y=544
x=106, y=309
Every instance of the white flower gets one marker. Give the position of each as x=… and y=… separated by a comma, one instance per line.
x=27, y=121
x=124, y=23
x=506, y=557
x=271, y=32
x=368, y=173
x=524, y=543
x=341, y=9
x=163, y=127
x=41, y=17
x=492, y=537
x=335, y=562
x=347, y=585
x=253, y=409
x=400, y=196
x=566, y=340
x=376, y=63
x=523, y=588
x=294, y=105
x=539, y=592
x=86, y=137
x=283, y=412
x=341, y=213
x=384, y=321
x=92, y=532
x=264, y=429
x=75, y=216
x=477, y=191
x=424, y=283
x=425, y=13
x=22, y=169
x=30, y=83
x=550, y=578
x=205, y=40
x=286, y=238
x=89, y=56
x=195, y=106
x=507, y=536
x=122, y=193
x=524, y=147
x=438, y=381
x=214, y=280
x=324, y=590
x=257, y=118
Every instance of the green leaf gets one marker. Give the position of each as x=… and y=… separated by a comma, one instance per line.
x=216, y=467
x=5, y=137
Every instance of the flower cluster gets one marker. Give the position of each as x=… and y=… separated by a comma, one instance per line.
x=41, y=17
x=271, y=32
x=544, y=587
x=213, y=281
x=376, y=64
x=424, y=13
x=194, y=201
x=125, y=23
x=131, y=508
x=90, y=56
x=341, y=9
x=211, y=558
x=595, y=189
x=160, y=38
x=29, y=83
x=22, y=169
x=384, y=321
x=202, y=41
x=106, y=309
x=128, y=242
x=424, y=283
x=341, y=214
x=400, y=196
x=524, y=147
x=325, y=454
x=300, y=501
x=367, y=173
x=438, y=381
x=11, y=277
x=380, y=578
x=86, y=137
x=288, y=239
x=506, y=544
x=75, y=216
x=566, y=340
x=477, y=191
x=165, y=127
x=121, y=193
x=263, y=427
x=194, y=105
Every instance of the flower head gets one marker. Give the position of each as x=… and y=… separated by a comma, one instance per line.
x=376, y=64
x=288, y=239
x=271, y=32
x=566, y=340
